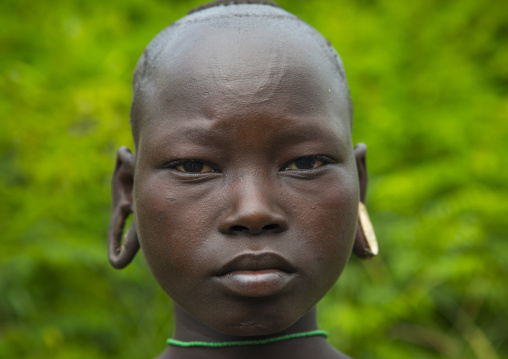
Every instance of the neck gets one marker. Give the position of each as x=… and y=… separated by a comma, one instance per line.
x=189, y=329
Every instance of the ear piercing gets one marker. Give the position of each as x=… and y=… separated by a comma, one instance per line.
x=121, y=253
x=365, y=242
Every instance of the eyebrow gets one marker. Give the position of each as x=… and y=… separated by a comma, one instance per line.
x=289, y=133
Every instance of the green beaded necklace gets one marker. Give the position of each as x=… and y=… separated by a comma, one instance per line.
x=311, y=333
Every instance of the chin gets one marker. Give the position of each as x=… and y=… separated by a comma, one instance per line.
x=259, y=321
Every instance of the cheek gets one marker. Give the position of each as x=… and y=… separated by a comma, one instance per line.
x=171, y=223
x=328, y=221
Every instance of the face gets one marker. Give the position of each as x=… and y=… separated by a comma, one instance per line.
x=246, y=188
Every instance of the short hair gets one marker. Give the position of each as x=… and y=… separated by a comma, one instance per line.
x=147, y=64
x=231, y=2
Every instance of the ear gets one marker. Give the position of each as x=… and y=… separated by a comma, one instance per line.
x=361, y=165
x=121, y=254
x=365, y=245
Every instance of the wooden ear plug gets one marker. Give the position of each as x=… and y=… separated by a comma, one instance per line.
x=365, y=244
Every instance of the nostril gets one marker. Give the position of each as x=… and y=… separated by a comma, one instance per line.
x=238, y=228
x=270, y=227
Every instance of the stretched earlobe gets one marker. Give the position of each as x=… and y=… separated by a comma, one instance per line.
x=365, y=245
x=122, y=253
x=365, y=241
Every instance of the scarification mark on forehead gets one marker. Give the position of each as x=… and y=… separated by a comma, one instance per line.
x=224, y=15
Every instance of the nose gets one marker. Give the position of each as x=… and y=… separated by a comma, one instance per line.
x=253, y=210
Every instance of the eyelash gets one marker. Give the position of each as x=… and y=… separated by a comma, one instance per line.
x=316, y=161
x=324, y=160
x=182, y=163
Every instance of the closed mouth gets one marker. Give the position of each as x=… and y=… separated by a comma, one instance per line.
x=252, y=274
x=254, y=261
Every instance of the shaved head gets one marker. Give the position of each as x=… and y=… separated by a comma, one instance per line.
x=244, y=185
x=203, y=40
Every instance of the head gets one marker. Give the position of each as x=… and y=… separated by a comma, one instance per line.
x=244, y=183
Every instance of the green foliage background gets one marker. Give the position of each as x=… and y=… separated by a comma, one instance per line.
x=429, y=80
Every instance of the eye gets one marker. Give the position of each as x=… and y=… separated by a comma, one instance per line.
x=306, y=163
x=191, y=166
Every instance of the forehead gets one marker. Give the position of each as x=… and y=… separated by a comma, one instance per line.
x=214, y=65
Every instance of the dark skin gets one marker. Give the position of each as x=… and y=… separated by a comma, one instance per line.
x=245, y=187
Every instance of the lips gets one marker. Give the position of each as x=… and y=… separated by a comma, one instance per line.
x=257, y=262
x=256, y=274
